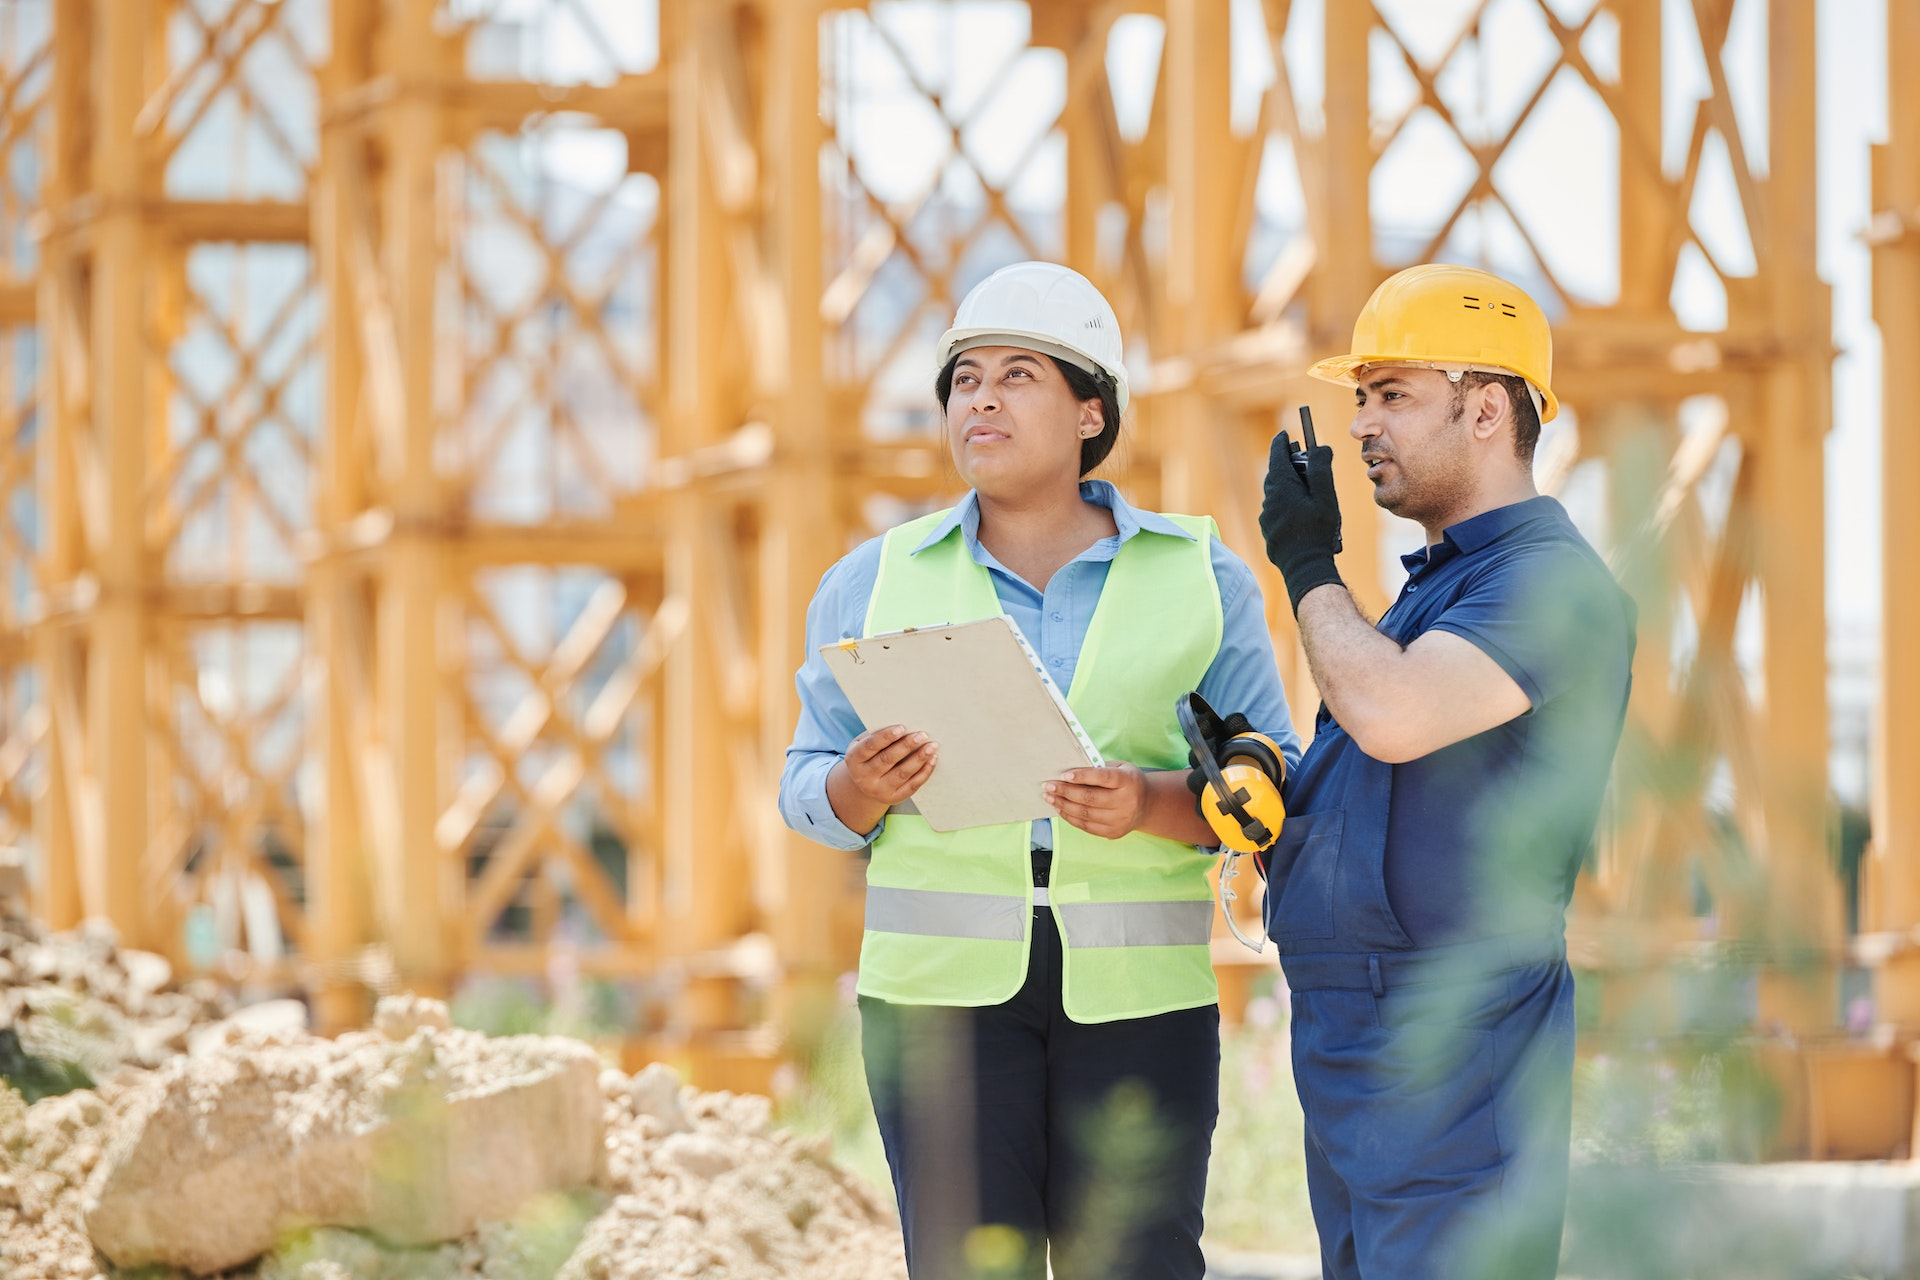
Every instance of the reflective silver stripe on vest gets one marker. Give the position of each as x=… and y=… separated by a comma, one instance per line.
x=946, y=915
x=1137, y=924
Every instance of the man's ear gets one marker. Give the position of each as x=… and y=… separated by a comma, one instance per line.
x=1493, y=410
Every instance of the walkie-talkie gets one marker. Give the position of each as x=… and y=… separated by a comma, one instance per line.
x=1299, y=456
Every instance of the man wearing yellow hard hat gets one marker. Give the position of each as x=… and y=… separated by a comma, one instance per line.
x=1435, y=825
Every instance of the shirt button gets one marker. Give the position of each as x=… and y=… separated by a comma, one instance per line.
x=1058, y=617
x=1055, y=662
x=1412, y=587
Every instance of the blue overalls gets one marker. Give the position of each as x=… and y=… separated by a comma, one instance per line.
x=1434, y=1059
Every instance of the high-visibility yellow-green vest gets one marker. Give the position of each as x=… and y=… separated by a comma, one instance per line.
x=949, y=915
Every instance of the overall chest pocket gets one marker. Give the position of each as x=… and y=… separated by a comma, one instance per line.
x=1302, y=875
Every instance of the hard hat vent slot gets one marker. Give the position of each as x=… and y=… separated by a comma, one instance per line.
x=1501, y=308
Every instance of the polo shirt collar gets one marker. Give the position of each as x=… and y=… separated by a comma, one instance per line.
x=1129, y=519
x=1476, y=532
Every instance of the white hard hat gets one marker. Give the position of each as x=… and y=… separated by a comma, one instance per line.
x=1043, y=307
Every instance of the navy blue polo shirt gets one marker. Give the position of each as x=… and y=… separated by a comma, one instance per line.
x=1485, y=837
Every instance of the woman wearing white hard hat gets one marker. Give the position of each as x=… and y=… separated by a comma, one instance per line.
x=1039, y=1015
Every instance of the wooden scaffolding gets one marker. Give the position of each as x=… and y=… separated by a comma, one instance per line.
x=424, y=422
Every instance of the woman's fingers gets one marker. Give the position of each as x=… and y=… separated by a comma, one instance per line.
x=1075, y=809
x=873, y=745
x=897, y=772
x=1092, y=821
x=912, y=761
x=862, y=748
x=882, y=761
x=899, y=750
x=1091, y=795
x=1100, y=801
x=921, y=771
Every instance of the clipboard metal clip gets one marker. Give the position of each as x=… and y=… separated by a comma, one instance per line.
x=853, y=651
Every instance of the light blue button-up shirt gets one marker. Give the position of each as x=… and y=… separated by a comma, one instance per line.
x=1243, y=676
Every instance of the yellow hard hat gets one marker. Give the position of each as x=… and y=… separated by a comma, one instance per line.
x=1455, y=319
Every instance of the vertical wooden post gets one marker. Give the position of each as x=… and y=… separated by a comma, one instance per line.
x=412, y=873
x=64, y=378
x=1649, y=889
x=1627, y=432
x=112, y=878
x=1089, y=167
x=1644, y=229
x=1203, y=279
x=337, y=882
x=1804, y=913
x=1894, y=859
x=799, y=531
x=1344, y=275
x=705, y=889
x=1203, y=283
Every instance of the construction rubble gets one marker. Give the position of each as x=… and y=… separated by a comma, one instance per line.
x=76, y=1007
x=208, y=1143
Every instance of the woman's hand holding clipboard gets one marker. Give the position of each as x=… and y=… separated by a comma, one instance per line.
x=976, y=689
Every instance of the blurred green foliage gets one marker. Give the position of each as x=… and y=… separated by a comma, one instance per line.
x=1257, y=1183
x=36, y=1076
x=1660, y=1118
x=584, y=1008
x=1256, y=1190
x=826, y=1095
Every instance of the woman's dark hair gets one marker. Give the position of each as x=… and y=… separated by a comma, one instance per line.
x=1085, y=386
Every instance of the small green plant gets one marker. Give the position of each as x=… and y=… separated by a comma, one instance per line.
x=36, y=1076
x=1257, y=1181
x=826, y=1096
x=586, y=1009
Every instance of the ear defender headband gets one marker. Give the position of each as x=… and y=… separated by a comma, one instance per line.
x=1241, y=801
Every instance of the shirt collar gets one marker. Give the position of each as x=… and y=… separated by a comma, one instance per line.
x=1129, y=519
x=1476, y=532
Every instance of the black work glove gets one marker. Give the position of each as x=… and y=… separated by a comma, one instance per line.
x=1218, y=733
x=1300, y=519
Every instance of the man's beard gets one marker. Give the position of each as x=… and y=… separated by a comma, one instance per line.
x=1441, y=482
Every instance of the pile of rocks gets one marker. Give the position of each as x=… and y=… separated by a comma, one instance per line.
x=705, y=1185
x=77, y=1004
x=422, y=1151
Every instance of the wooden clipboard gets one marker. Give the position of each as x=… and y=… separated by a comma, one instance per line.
x=978, y=690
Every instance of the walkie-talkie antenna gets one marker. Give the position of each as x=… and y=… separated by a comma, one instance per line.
x=1300, y=458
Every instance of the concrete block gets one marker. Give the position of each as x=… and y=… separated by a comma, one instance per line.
x=1799, y=1221
x=1240, y=1264
x=418, y=1140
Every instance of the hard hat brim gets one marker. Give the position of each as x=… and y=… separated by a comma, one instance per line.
x=1338, y=369
x=1344, y=371
x=955, y=341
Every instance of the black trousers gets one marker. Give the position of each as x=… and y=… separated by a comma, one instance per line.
x=1012, y=1130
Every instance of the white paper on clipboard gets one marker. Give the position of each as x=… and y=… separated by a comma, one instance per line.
x=979, y=690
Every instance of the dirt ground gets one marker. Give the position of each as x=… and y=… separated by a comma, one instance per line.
x=682, y=1183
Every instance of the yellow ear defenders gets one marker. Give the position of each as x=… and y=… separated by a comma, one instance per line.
x=1241, y=801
